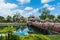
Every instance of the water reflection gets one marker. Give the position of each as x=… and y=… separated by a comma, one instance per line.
x=22, y=32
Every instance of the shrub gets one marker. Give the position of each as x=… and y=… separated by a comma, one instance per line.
x=2, y=38
x=35, y=37
x=15, y=37
x=57, y=27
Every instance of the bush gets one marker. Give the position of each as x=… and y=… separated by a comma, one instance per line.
x=35, y=37
x=2, y=38
x=26, y=37
x=13, y=37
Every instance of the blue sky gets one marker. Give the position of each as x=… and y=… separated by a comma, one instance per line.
x=28, y=7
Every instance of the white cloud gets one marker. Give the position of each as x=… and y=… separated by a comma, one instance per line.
x=23, y=1
x=7, y=5
x=5, y=8
x=49, y=7
x=26, y=13
x=32, y=12
x=18, y=11
x=35, y=10
x=46, y=1
x=11, y=6
x=46, y=5
x=28, y=8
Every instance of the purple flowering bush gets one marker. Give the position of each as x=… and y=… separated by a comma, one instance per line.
x=57, y=27
x=48, y=26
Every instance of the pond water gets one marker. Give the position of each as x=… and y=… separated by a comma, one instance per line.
x=30, y=30
x=19, y=32
x=27, y=30
x=22, y=32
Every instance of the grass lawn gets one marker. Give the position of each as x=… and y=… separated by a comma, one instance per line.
x=54, y=37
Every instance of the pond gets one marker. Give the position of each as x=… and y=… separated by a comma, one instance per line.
x=22, y=30
x=31, y=30
x=22, y=33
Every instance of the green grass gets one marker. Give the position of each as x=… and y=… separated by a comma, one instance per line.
x=54, y=37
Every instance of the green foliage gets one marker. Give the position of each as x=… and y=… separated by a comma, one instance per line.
x=17, y=37
x=14, y=18
x=51, y=17
x=42, y=17
x=22, y=19
x=44, y=14
x=7, y=29
x=13, y=37
x=2, y=38
x=35, y=37
x=2, y=19
x=58, y=17
x=54, y=37
x=9, y=18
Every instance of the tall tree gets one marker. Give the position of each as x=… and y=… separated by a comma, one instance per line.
x=9, y=18
x=51, y=17
x=2, y=19
x=58, y=17
x=16, y=17
x=22, y=19
x=45, y=12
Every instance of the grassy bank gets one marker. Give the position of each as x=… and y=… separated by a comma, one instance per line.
x=54, y=37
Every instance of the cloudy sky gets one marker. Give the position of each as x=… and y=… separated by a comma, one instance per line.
x=28, y=7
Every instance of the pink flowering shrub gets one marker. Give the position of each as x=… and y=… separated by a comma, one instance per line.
x=47, y=25
x=37, y=24
x=57, y=27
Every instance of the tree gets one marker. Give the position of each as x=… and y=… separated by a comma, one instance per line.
x=51, y=17
x=58, y=17
x=43, y=17
x=9, y=18
x=44, y=14
x=16, y=17
x=22, y=19
x=31, y=18
x=2, y=19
